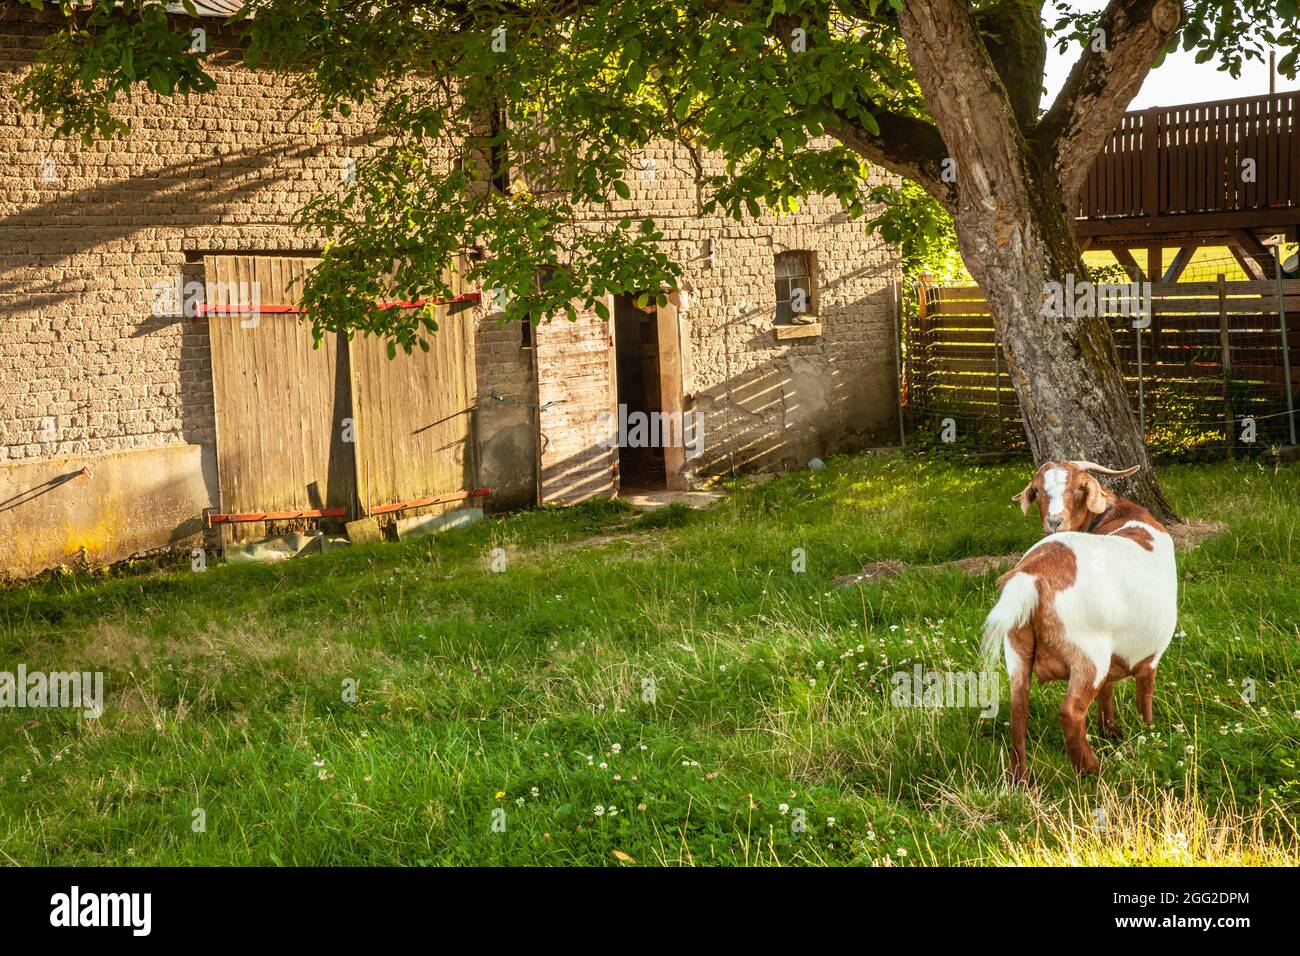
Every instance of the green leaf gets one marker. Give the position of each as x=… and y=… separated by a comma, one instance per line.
x=160, y=81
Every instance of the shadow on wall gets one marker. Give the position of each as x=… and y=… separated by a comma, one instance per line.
x=797, y=405
x=804, y=401
x=28, y=495
x=71, y=223
x=579, y=477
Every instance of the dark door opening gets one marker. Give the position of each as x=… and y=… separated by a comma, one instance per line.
x=636, y=344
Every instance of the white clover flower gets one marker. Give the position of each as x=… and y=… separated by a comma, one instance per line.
x=783, y=809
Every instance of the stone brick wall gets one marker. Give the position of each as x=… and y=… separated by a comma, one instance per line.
x=88, y=232
x=88, y=372
x=770, y=403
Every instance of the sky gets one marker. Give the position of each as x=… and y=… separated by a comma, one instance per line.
x=1179, y=80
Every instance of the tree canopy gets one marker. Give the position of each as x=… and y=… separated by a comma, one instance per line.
x=548, y=103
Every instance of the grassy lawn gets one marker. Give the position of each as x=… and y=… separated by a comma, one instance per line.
x=663, y=688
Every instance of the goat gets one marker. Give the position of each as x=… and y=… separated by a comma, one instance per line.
x=1093, y=602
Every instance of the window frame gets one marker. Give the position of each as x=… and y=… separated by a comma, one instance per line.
x=806, y=269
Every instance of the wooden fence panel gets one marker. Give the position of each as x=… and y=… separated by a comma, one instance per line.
x=954, y=364
x=1189, y=159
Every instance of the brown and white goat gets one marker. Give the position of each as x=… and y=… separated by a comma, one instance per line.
x=1093, y=602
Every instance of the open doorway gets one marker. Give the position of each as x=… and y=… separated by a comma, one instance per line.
x=636, y=344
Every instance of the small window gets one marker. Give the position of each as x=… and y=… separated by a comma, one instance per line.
x=796, y=299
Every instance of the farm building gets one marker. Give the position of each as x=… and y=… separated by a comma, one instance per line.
x=131, y=421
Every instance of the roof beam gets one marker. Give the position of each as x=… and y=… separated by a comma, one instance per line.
x=1181, y=258
x=1144, y=228
x=1125, y=259
x=1252, y=254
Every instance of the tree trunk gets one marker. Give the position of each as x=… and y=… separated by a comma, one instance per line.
x=1016, y=236
x=1065, y=370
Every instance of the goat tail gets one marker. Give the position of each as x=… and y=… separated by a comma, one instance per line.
x=1014, y=608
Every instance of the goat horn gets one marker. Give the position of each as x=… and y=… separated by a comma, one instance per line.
x=1102, y=469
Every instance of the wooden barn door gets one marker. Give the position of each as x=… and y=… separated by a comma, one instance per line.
x=575, y=384
x=415, y=413
x=281, y=405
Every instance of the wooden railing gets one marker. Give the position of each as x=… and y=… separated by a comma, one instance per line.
x=1222, y=156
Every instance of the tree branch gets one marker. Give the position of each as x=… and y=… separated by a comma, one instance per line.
x=1103, y=82
x=907, y=146
x=966, y=97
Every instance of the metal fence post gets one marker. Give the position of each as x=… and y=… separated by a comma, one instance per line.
x=1286, y=349
x=1225, y=363
x=896, y=309
x=1142, y=406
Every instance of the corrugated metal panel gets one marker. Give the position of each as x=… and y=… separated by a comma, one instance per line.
x=281, y=404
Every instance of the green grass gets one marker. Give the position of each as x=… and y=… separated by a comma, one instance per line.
x=527, y=692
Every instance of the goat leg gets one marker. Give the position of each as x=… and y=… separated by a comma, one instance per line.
x=1145, y=676
x=1074, y=714
x=1019, y=769
x=1106, y=725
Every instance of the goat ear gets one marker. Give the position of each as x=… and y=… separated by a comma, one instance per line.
x=1025, y=497
x=1096, y=497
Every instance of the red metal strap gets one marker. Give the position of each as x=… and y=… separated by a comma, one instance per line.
x=436, y=500
x=276, y=515
x=204, y=308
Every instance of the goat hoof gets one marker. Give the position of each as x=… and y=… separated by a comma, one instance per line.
x=1110, y=732
x=1090, y=767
